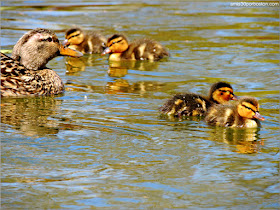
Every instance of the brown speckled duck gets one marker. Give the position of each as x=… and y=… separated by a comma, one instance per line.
x=191, y=104
x=244, y=114
x=142, y=49
x=25, y=72
x=85, y=41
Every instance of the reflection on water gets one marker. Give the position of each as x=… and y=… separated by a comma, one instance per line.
x=76, y=65
x=31, y=116
x=117, y=70
x=245, y=140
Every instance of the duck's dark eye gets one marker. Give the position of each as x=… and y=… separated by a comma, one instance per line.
x=49, y=39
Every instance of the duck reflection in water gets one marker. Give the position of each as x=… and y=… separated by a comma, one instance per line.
x=31, y=116
x=36, y=116
x=245, y=140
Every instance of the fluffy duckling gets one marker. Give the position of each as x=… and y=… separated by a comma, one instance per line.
x=191, y=104
x=244, y=114
x=25, y=73
x=85, y=41
x=142, y=49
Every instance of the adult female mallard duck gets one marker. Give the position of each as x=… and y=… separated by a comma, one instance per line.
x=85, y=41
x=191, y=104
x=245, y=113
x=25, y=72
x=142, y=49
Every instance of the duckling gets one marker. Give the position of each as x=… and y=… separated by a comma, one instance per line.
x=25, y=73
x=191, y=104
x=85, y=41
x=244, y=114
x=142, y=49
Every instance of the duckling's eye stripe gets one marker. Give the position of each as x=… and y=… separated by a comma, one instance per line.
x=74, y=36
x=115, y=42
x=226, y=91
x=249, y=108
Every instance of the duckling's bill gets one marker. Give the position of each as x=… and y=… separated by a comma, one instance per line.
x=235, y=98
x=70, y=52
x=66, y=42
x=258, y=116
x=106, y=51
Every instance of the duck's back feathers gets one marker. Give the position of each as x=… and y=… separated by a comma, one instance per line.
x=186, y=105
x=16, y=80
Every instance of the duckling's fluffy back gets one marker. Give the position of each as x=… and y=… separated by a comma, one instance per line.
x=189, y=104
x=147, y=49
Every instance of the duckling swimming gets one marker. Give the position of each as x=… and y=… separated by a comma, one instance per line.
x=87, y=42
x=142, y=49
x=244, y=114
x=191, y=104
x=25, y=73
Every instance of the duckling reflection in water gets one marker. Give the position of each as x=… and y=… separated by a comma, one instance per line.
x=75, y=65
x=123, y=86
x=243, y=114
x=143, y=49
x=87, y=42
x=245, y=140
x=191, y=104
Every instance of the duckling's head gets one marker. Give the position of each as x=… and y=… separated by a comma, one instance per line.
x=116, y=44
x=35, y=48
x=221, y=92
x=248, y=107
x=74, y=36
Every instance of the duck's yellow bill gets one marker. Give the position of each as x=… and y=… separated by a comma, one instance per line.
x=67, y=51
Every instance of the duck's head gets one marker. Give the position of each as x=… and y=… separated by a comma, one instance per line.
x=116, y=44
x=35, y=48
x=74, y=36
x=248, y=107
x=222, y=92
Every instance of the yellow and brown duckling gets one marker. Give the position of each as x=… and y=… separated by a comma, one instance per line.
x=88, y=42
x=142, y=49
x=244, y=114
x=191, y=104
x=25, y=72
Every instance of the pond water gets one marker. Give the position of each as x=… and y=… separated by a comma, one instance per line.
x=103, y=142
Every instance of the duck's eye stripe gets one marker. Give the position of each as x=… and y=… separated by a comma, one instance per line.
x=249, y=108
